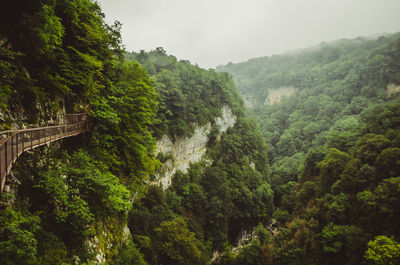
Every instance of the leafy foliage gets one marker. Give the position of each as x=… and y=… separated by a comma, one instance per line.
x=383, y=250
x=175, y=244
x=17, y=236
x=189, y=96
x=218, y=199
x=333, y=148
x=60, y=56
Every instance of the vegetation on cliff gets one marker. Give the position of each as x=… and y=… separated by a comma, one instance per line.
x=60, y=56
x=219, y=197
x=71, y=202
x=189, y=96
x=317, y=182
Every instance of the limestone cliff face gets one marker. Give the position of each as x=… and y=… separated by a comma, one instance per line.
x=275, y=95
x=111, y=234
x=185, y=151
x=392, y=89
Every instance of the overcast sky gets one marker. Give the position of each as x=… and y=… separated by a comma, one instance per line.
x=214, y=32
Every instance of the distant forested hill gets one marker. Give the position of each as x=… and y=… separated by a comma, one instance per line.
x=361, y=62
x=334, y=149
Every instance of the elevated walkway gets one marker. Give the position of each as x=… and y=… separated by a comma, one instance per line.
x=18, y=141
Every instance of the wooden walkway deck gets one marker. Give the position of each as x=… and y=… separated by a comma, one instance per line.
x=19, y=141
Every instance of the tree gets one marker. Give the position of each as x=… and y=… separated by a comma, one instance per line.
x=174, y=243
x=370, y=146
x=388, y=200
x=383, y=250
x=332, y=167
x=342, y=244
x=18, y=244
x=344, y=133
x=388, y=162
x=286, y=144
x=310, y=168
x=306, y=192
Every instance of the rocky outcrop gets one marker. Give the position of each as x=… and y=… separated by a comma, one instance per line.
x=185, y=151
x=275, y=95
x=392, y=89
x=226, y=120
x=111, y=235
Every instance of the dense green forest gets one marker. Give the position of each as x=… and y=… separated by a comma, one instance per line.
x=334, y=149
x=189, y=96
x=213, y=201
x=312, y=179
x=60, y=56
x=88, y=199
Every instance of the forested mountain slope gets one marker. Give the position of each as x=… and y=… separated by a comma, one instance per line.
x=334, y=149
x=219, y=196
x=330, y=196
x=95, y=198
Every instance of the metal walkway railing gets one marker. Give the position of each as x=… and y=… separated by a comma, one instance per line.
x=19, y=141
